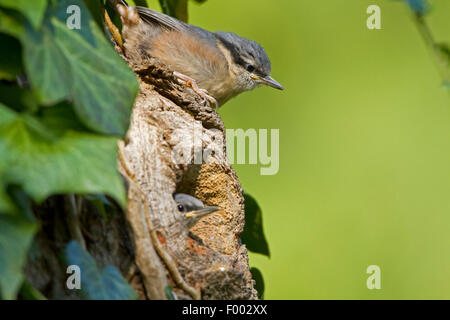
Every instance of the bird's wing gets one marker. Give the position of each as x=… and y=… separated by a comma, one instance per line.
x=155, y=17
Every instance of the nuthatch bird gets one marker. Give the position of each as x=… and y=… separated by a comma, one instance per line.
x=216, y=65
x=192, y=208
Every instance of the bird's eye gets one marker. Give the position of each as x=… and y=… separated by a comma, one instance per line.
x=180, y=208
x=250, y=68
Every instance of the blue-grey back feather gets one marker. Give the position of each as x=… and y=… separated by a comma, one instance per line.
x=239, y=47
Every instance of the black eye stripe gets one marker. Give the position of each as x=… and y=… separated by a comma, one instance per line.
x=235, y=52
x=237, y=55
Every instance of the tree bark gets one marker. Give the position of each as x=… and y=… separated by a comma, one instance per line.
x=175, y=143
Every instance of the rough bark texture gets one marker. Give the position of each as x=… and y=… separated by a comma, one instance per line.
x=169, y=123
x=177, y=144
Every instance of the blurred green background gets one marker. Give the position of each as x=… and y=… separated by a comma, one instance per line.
x=364, y=147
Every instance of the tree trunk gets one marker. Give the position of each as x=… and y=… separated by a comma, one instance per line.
x=174, y=144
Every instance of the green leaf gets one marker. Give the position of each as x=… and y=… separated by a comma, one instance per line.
x=12, y=23
x=5, y=203
x=95, y=8
x=96, y=284
x=33, y=10
x=17, y=98
x=142, y=3
x=99, y=201
x=259, y=281
x=60, y=118
x=175, y=8
x=28, y=292
x=116, y=287
x=80, y=66
x=52, y=158
x=253, y=235
x=22, y=202
x=169, y=293
x=10, y=59
x=16, y=234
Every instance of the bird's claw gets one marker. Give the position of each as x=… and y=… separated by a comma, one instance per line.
x=207, y=98
x=202, y=93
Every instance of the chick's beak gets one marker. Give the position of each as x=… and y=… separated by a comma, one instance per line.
x=202, y=212
x=268, y=81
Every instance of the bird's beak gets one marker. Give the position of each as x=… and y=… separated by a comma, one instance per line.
x=202, y=212
x=268, y=81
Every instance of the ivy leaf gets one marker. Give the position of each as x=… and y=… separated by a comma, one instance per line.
x=60, y=118
x=141, y=3
x=16, y=233
x=5, y=203
x=33, y=10
x=12, y=23
x=99, y=201
x=80, y=66
x=10, y=59
x=17, y=98
x=7, y=206
x=116, y=287
x=175, y=8
x=28, y=292
x=96, y=284
x=253, y=235
x=48, y=161
x=95, y=8
x=259, y=281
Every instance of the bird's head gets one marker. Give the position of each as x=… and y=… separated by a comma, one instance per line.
x=191, y=208
x=249, y=61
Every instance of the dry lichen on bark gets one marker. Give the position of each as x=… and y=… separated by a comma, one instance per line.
x=169, y=123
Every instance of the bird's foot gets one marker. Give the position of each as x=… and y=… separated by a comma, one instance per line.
x=202, y=93
x=128, y=14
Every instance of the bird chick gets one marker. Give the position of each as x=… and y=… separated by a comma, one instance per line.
x=192, y=208
x=217, y=65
